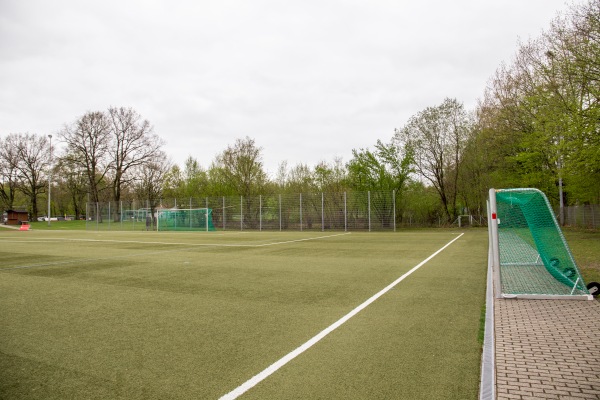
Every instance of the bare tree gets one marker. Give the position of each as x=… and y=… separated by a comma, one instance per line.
x=151, y=179
x=88, y=144
x=74, y=183
x=437, y=136
x=8, y=176
x=29, y=157
x=133, y=144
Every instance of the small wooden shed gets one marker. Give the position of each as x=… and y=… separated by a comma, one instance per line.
x=15, y=217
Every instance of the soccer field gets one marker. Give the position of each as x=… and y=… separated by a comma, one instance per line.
x=147, y=315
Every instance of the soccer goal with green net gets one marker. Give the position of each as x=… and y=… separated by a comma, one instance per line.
x=181, y=219
x=528, y=251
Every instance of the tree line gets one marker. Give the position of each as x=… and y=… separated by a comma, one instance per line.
x=536, y=125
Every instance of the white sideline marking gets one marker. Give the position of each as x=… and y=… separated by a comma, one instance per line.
x=189, y=245
x=177, y=243
x=256, y=379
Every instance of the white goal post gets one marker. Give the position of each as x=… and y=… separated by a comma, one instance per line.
x=528, y=253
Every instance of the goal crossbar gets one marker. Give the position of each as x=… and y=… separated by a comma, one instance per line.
x=528, y=252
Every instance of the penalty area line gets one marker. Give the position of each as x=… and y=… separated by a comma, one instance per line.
x=256, y=379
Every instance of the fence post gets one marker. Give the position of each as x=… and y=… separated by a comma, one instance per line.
x=394, y=208
x=241, y=213
x=280, y=213
x=300, y=212
x=369, y=208
x=224, y=217
x=322, y=212
x=345, y=213
x=260, y=212
x=206, y=217
x=135, y=216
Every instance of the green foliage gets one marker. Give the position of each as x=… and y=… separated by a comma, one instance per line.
x=195, y=178
x=585, y=246
x=418, y=203
x=239, y=169
x=540, y=114
x=323, y=177
x=385, y=168
x=330, y=177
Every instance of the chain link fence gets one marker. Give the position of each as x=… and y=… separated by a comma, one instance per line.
x=586, y=216
x=346, y=211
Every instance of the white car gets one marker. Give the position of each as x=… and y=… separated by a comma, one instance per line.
x=44, y=218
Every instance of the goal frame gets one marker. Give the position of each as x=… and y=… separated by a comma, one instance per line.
x=170, y=210
x=494, y=257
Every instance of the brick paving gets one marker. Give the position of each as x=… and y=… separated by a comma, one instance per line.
x=547, y=349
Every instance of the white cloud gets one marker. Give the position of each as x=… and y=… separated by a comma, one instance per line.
x=307, y=80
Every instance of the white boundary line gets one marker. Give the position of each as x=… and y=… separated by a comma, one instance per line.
x=175, y=243
x=256, y=379
x=188, y=246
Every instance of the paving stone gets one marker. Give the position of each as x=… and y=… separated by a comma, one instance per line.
x=545, y=349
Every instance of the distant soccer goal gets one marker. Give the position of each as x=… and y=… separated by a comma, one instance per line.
x=138, y=215
x=528, y=251
x=181, y=219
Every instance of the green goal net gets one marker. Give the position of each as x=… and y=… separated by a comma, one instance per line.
x=534, y=258
x=191, y=219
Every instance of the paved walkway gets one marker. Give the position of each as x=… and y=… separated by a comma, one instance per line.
x=547, y=349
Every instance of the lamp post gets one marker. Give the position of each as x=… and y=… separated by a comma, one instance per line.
x=49, y=178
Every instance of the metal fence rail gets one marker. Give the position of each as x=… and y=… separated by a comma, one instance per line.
x=586, y=216
x=345, y=211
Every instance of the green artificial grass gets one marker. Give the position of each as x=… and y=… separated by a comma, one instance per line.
x=481, y=333
x=585, y=246
x=57, y=225
x=142, y=315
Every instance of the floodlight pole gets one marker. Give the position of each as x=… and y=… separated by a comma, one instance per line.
x=49, y=178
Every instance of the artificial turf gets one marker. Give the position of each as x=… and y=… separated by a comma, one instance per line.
x=143, y=315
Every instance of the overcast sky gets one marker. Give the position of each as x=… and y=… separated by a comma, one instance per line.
x=308, y=80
